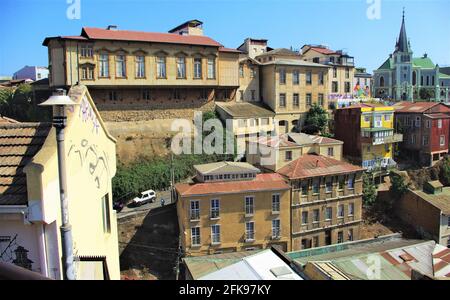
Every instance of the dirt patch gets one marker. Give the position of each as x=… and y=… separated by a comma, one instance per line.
x=149, y=245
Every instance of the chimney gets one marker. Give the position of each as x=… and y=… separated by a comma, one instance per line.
x=112, y=27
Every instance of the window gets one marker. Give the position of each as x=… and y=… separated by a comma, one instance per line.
x=282, y=74
x=315, y=241
x=265, y=121
x=308, y=77
x=321, y=81
x=329, y=185
x=295, y=100
x=341, y=183
x=87, y=72
x=351, y=182
x=340, y=237
x=425, y=140
x=241, y=95
x=321, y=100
x=197, y=68
x=304, y=189
x=215, y=208
x=295, y=77
x=87, y=51
x=413, y=139
x=330, y=151
x=195, y=210
x=282, y=100
x=104, y=66
x=334, y=72
x=121, y=70
x=347, y=73
x=316, y=60
x=417, y=122
x=340, y=211
x=288, y=155
x=448, y=221
x=328, y=213
x=347, y=87
x=316, y=216
x=250, y=231
x=316, y=186
x=112, y=96
x=387, y=118
x=276, y=232
x=308, y=99
x=106, y=214
x=211, y=68
x=204, y=94
x=252, y=72
x=181, y=67
x=241, y=71
x=276, y=203
x=140, y=66
x=176, y=94
x=249, y=205
x=442, y=140
x=253, y=95
x=350, y=234
x=439, y=123
x=428, y=123
x=195, y=236
x=351, y=209
x=334, y=87
x=161, y=67
x=367, y=119
x=146, y=94
x=304, y=217
x=215, y=234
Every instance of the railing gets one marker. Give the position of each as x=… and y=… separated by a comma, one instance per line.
x=249, y=236
x=395, y=138
x=276, y=234
x=326, y=223
x=215, y=214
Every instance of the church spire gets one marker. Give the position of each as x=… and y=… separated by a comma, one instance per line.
x=402, y=42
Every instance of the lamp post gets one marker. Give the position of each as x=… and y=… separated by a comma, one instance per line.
x=59, y=101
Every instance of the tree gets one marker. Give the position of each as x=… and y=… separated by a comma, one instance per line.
x=445, y=172
x=398, y=186
x=426, y=94
x=369, y=191
x=316, y=119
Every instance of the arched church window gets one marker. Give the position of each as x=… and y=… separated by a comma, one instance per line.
x=381, y=81
x=414, y=79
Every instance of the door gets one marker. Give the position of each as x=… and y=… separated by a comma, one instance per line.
x=327, y=237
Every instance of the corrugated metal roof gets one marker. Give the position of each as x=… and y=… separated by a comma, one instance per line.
x=225, y=167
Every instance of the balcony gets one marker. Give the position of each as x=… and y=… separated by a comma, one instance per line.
x=249, y=237
x=373, y=140
x=276, y=234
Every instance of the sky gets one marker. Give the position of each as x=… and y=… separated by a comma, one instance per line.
x=355, y=26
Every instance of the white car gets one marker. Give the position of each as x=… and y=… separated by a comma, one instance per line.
x=146, y=197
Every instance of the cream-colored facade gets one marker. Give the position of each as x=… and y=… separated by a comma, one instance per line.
x=249, y=89
x=91, y=164
x=290, y=98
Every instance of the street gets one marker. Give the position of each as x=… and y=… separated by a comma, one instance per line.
x=131, y=210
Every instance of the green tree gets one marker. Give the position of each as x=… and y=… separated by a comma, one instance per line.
x=445, y=172
x=369, y=191
x=316, y=119
x=398, y=186
x=17, y=103
x=426, y=94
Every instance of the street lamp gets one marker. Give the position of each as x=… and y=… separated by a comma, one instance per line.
x=59, y=101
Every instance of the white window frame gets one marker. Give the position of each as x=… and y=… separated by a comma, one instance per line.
x=121, y=66
x=351, y=209
x=276, y=203
x=215, y=236
x=161, y=71
x=250, y=232
x=249, y=209
x=197, y=68
x=328, y=213
x=140, y=66
x=340, y=211
x=194, y=213
x=276, y=228
x=197, y=237
x=215, y=209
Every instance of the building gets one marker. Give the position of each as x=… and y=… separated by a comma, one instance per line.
x=274, y=152
x=362, y=84
x=367, y=131
x=30, y=213
x=269, y=264
x=231, y=207
x=403, y=76
x=425, y=128
x=388, y=257
x=340, y=74
x=428, y=211
x=326, y=201
x=136, y=76
x=31, y=72
x=290, y=86
x=254, y=47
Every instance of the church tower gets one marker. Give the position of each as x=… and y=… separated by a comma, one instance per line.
x=403, y=67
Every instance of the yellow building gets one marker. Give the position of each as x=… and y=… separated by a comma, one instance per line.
x=136, y=76
x=367, y=131
x=326, y=201
x=30, y=213
x=274, y=152
x=231, y=207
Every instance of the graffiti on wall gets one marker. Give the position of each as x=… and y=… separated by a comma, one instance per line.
x=95, y=160
x=87, y=114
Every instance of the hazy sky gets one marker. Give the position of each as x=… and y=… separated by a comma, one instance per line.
x=339, y=24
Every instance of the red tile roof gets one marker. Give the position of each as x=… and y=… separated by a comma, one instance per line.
x=323, y=50
x=262, y=182
x=223, y=49
x=416, y=107
x=155, y=37
x=311, y=165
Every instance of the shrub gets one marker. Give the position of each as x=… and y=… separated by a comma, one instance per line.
x=369, y=191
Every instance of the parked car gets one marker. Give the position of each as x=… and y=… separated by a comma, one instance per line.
x=118, y=206
x=146, y=197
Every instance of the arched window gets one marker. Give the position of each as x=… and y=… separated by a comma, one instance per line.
x=381, y=81
x=414, y=81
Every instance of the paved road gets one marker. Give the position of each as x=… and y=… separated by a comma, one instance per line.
x=129, y=211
